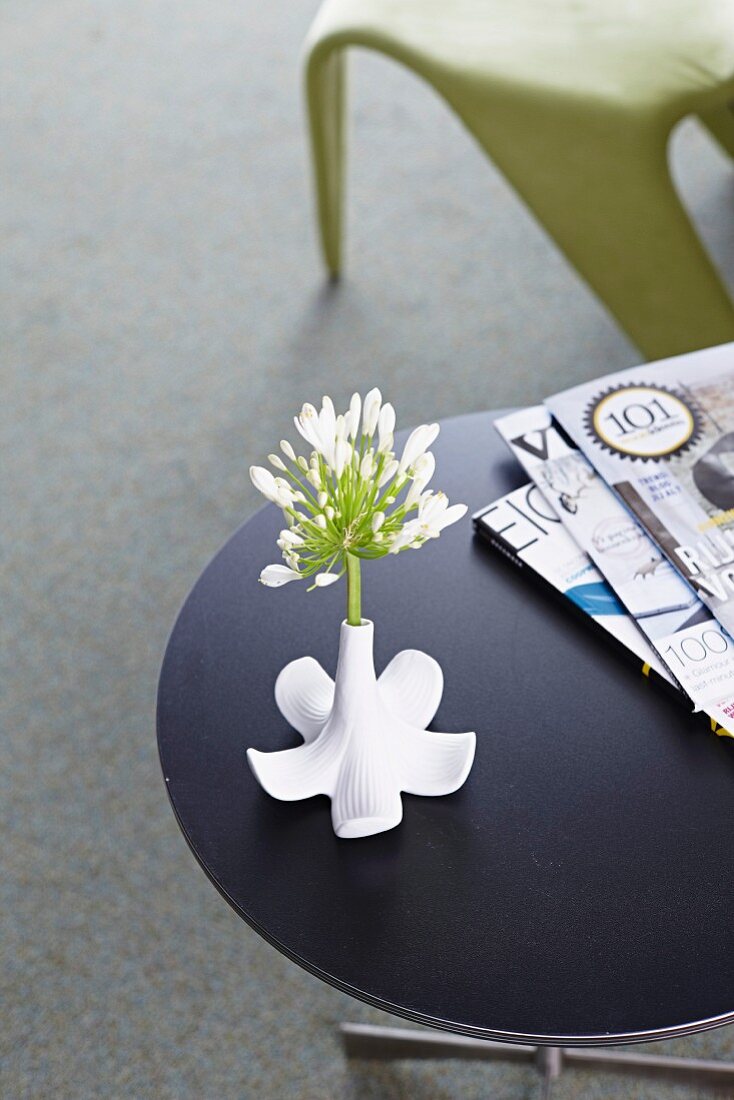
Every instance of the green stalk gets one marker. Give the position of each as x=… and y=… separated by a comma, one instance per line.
x=354, y=591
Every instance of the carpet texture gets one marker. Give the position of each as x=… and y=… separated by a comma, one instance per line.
x=163, y=314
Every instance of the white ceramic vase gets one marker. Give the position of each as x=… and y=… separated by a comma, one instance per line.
x=365, y=739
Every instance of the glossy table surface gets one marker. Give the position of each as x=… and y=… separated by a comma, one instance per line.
x=577, y=889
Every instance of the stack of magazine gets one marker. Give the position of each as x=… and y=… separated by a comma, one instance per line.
x=629, y=514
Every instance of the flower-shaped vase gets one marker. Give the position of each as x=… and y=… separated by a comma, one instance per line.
x=365, y=739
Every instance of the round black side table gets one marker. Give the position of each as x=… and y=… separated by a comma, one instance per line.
x=575, y=892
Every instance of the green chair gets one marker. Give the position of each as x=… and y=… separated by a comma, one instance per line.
x=574, y=100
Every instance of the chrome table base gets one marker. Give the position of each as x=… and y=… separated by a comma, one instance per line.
x=389, y=1043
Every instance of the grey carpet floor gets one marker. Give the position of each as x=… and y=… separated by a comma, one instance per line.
x=163, y=312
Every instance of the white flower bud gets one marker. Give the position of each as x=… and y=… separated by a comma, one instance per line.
x=276, y=461
x=320, y=521
x=287, y=450
x=377, y=521
x=367, y=466
x=388, y=473
x=323, y=580
x=264, y=482
x=342, y=454
x=285, y=494
x=385, y=427
x=329, y=512
x=302, y=464
x=352, y=417
x=322, y=499
x=371, y=411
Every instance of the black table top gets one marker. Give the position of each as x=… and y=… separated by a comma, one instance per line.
x=576, y=889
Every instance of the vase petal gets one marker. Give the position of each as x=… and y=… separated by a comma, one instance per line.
x=412, y=686
x=297, y=773
x=304, y=694
x=431, y=763
x=367, y=796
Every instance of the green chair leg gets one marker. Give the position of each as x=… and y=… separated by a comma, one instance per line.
x=720, y=122
x=598, y=182
x=601, y=187
x=325, y=99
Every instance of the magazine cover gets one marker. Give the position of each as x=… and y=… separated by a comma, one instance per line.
x=662, y=435
x=664, y=606
x=522, y=528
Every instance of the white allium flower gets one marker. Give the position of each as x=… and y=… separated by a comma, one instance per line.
x=423, y=470
x=307, y=423
x=355, y=499
x=434, y=514
x=404, y=538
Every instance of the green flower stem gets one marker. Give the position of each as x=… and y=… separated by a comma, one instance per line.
x=354, y=591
